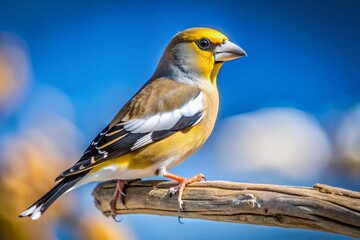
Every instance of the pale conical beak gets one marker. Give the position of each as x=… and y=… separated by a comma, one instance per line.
x=228, y=51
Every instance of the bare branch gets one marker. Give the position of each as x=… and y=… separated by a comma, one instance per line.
x=322, y=208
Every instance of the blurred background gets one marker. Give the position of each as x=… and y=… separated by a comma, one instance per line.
x=289, y=112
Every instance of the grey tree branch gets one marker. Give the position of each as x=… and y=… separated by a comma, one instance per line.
x=322, y=208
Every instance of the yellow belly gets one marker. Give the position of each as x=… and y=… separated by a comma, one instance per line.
x=169, y=151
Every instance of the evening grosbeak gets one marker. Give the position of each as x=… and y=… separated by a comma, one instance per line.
x=165, y=122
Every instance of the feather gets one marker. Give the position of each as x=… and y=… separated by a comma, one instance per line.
x=170, y=112
x=40, y=206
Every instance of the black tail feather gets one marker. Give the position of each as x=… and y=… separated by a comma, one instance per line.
x=40, y=206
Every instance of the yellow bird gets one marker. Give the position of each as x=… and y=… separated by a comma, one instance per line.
x=165, y=122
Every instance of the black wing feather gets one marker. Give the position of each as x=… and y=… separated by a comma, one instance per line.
x=98, y=151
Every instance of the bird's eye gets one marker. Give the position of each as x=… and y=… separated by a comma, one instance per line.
x=204, y=44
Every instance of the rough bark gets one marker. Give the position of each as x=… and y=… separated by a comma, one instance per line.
x=322, y=208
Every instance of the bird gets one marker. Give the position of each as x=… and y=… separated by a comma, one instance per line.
x=166, y=121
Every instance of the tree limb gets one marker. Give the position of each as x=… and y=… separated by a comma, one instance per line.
x=322, y=208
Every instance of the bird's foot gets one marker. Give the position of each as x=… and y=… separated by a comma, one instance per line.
x=118, y=197
x=183, y=182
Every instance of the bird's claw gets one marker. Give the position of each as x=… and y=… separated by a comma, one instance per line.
x=179, y=189
x=118, y=196
x=173, y=191
x=203, y=178
x=181, y=204
x=115, y=219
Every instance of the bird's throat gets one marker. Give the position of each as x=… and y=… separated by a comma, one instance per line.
x=215, y=72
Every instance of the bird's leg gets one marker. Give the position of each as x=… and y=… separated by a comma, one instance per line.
x=183, y=182
x=118, y=196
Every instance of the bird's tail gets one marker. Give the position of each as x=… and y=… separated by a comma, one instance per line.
x=39, y=207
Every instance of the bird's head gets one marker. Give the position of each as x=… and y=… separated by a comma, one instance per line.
x=196, y=54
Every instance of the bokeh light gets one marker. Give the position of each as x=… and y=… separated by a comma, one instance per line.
x=15, y=72
x=283, y=140
x=348, y=143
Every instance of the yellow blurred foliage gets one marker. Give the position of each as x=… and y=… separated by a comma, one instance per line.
x=27, y=172
x=28, y=169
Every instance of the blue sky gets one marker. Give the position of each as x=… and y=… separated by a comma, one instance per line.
x=301, y=54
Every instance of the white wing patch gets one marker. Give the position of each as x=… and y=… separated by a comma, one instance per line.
x=133, y=124
x=166, y=120
x=142, y=141
x=147, y=126
x=193, y=107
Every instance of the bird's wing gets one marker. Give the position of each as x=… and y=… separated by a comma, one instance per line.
x=160, y=109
